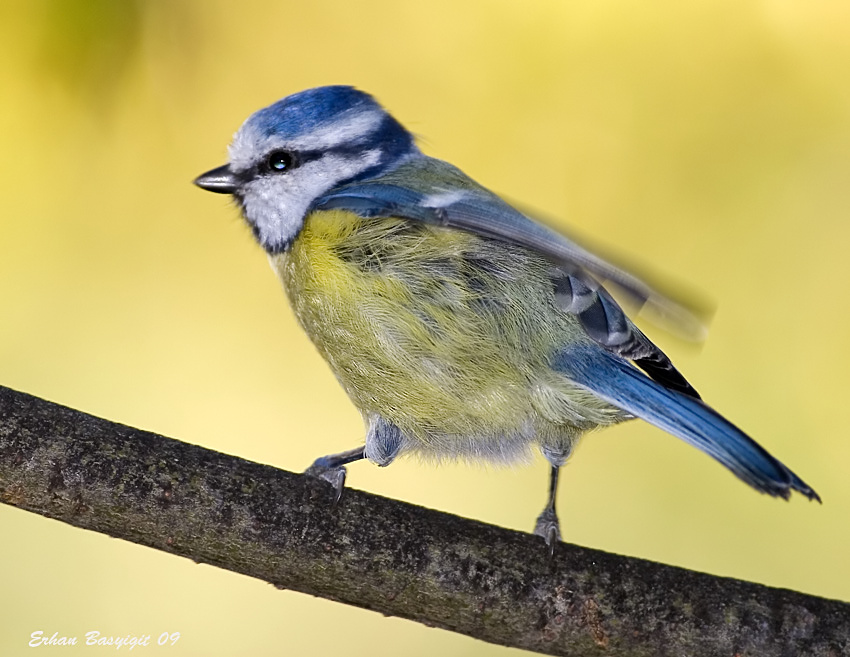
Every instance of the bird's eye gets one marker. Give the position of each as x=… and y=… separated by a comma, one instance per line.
x=280, y=161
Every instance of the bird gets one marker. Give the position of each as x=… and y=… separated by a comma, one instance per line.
x=459, y=326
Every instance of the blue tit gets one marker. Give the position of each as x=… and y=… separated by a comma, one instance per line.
x=458, y=326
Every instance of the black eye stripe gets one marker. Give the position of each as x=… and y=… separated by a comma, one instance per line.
x=287, y=160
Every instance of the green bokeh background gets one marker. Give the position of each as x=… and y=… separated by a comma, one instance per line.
x=708, y=140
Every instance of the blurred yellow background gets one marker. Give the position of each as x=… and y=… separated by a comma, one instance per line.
x=707, y=140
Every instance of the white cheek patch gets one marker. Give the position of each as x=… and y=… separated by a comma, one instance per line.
x=276, y=205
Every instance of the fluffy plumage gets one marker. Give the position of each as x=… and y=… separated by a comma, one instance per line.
x=457, y=325
x=445, y=334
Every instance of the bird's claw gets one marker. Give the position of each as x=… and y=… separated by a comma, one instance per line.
x=335, y=476
x=549, y=529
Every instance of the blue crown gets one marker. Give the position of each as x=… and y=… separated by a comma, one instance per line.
x=302, y=112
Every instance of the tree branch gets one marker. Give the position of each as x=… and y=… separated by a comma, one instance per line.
x=395, y=558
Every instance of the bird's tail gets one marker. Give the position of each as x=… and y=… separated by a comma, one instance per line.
x=622, y=385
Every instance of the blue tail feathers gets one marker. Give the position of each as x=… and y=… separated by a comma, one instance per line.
x=615, y=380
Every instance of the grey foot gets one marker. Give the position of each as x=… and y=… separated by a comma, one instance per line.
x=549, y=528
x=334, y=475
x=331, y=468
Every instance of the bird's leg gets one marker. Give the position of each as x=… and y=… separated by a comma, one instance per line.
x=331, y=468
x=547, y=522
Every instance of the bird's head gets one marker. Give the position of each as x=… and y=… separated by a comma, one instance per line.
x=290, y=153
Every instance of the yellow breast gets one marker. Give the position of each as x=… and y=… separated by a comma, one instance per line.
x=444, y=333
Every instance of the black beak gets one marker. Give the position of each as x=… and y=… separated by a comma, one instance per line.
x=221, y=181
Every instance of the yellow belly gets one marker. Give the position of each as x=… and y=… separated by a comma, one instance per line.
x=445, y=334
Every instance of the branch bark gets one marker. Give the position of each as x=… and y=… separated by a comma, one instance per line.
x=395, y=558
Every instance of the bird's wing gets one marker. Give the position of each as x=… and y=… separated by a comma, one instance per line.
x=606, y=323
x=437, y=193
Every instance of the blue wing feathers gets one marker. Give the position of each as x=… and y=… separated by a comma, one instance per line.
x=434, y=192
x=616, y=381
